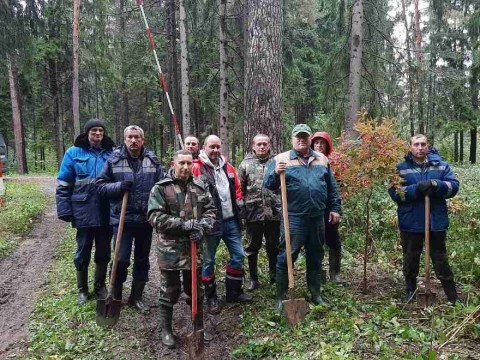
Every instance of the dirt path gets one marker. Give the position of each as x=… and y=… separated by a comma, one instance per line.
x=24, y=272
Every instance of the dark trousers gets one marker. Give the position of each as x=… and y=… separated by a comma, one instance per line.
x=139, y=236
x=271, y=231
x=170, y=286
x=311, y=236
x=86, y=237
x=332, y=236
x=412, y=244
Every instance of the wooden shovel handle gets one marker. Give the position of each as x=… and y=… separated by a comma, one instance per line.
x=118, y=239
x=427, y=243
x=193, y=249
x=286, y=225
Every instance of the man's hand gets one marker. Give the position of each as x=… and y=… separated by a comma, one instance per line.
x=333, y=217
x=191, y=225
x=280, y=167
x=426, y=187
x=196, y=235
x=126, y=185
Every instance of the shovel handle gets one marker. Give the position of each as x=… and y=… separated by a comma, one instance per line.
x=118, y=239
x=286, y=225
x=193, y=250
x=427, y=243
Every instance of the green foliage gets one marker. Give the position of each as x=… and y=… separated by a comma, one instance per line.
x=24, y=202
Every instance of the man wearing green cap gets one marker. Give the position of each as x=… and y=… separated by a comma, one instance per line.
x=311, y=188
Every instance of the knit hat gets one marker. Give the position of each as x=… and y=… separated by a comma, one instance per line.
x=93, y=123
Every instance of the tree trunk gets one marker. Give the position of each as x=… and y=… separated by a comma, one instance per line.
x=223, y=103
x=125, y=109
x=75, y=86
x=461, y=146
x=409, y=71
x=184, y=72
x=356, y=50
x=455, y=147
x=18, y=130
x=263, y=72
x=420, y=75
x=474, y=88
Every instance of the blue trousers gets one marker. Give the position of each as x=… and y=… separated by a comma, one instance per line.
x=86, y=237
x=139, y=236
x=232, y=237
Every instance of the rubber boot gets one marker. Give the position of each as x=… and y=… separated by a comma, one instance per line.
x=211, y=296
x=82, y=285
x=117, y=291
x=410, y=289
x=334, y=262
x=252, y=267
x=99, y=281
x=166, y=314
x=451, y=291
x=234, y=292
x=136, y=296
x=282, y=288
x=313, y=284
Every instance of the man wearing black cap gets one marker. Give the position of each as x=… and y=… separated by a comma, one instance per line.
x=311, y=188
x=78, y=203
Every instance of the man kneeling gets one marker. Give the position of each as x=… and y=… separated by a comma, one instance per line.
x=181, y=210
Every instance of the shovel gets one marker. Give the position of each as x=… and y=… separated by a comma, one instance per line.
x=108, y=310
x=294, y=309
x=428, y=297
x=195, y=338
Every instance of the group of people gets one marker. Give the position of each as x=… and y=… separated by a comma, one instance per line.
x=202, y=198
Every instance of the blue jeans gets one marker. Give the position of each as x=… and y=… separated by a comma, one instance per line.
x=232, y=237
x=141, y=236
x=102, y=236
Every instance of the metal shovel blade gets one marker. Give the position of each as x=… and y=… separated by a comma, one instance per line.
x=294, y=310
x=427, y=298
x=108, y=311
x=195, y=344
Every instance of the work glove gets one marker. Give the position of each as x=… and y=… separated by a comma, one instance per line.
x=426, y=187
x=126, y=185
x=191, y=225
x=196, y=235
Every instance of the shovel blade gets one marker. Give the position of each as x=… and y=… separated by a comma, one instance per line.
x=108, y=311
x=195, y=344
x=425, y=299
x=294, y=310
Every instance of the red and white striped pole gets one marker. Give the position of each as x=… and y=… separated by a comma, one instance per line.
x=160, y=75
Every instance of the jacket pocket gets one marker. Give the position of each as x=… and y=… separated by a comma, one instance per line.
x=81, y=166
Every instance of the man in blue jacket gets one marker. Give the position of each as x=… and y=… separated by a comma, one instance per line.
x=135, y=170
x=78, y=203
x=311, y=188
x=424, y=173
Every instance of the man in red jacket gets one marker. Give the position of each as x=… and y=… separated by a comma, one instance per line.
x=224, y=186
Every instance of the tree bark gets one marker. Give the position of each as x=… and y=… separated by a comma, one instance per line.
x=18, y=130
x=75, y=85
x=410, y=76
x=356, y=50
x=184, y=72
x=263, y=102
x=223, y=101
x=420, y=74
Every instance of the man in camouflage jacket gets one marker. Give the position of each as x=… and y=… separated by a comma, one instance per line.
x=180, y=209
x=263, y=208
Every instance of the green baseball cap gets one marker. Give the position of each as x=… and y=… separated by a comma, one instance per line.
x=301, y=128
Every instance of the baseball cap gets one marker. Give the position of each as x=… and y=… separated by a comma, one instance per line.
x=301, y=128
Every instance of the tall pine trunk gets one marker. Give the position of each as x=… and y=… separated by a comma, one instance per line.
x=75, y=85
x=223, y=100
x=187, y=128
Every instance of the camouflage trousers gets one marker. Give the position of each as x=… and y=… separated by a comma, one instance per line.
x=171, y=286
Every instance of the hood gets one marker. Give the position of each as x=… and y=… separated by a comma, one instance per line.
x=323, y=135
x=205, y=160
x=82, y=141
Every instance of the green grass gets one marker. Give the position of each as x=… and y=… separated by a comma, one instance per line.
x=24, y=202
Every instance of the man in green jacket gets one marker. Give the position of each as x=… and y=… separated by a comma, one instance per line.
x=180, y=209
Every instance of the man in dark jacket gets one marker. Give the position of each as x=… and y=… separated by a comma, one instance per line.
x=78, y=203
x=181, y=210
x=224, y=186
x=424, y=173
x=262, y=209
x=311, y=188
x=135, y=170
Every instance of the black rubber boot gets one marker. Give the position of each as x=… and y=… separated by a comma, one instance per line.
x=136, y=296
x=334, y=263
x=282, y=288
x=410, y=289
x=313, y=284
x=166, y=314
x=450, y=290
x=82, y=285
x=212, y=298
x=234, y=292
x=99, y=281
x=253, y=269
